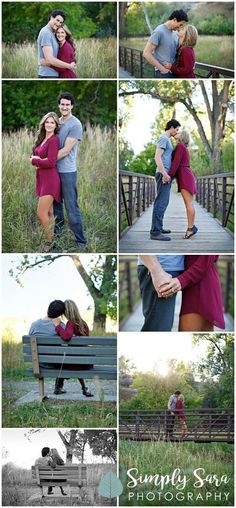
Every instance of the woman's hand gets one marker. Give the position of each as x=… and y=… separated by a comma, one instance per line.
x=167, y=65
x=166, y=290
x=56, y=321
x=160, y=278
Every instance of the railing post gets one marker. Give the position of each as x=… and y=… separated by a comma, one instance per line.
x=129, y=287
x=130, y=204
x=223, y=200
x=208, y=194
x=214, y=197
x=141, y=64
x=125, y=54
x=137, y=426
x=138, y=196
x=132, y=62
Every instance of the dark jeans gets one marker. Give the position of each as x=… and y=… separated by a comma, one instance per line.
x=168, y=75
x=170, y=422
x=160, y=204
x=158, y=312
x=69, y=197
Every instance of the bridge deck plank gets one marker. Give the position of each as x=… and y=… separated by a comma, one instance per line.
x=212, y=237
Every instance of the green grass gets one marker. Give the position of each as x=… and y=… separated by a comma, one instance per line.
x=210, y=49
x=163, y=458
x=96, y=189
x=57, y=413
x=96, y=58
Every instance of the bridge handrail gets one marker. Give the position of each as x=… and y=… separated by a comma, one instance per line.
x=217, y=198
x=213, y=70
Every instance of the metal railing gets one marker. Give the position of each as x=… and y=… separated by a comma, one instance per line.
x=216, y=194
x=137, y=193
x=132, y=60
x=202, y=425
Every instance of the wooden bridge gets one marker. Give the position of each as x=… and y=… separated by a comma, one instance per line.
x=203, y=425
x=214, y=216
x=133, y=62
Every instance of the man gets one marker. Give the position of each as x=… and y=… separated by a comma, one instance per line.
x=46, y=326
x=152, y=272
x=170, y=422
x=70, y=134
x=163, y=44
x=48, y=47
x=163, y=160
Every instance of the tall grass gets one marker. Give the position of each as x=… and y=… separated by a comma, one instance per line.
x=96, y=188
x=96, y=58
x=162, y=458
x=210, y=49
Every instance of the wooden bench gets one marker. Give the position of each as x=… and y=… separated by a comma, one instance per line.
x=52, y=357
x=69, y=475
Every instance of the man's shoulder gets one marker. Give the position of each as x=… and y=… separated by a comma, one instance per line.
x=159, y=28
x=76, y=121
x=163, y=138
x=45, y=31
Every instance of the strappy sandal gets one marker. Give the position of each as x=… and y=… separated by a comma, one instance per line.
x=47, y=246
x=86, y=392
x=192, y=230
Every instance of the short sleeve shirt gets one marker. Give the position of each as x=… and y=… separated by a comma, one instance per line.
x=47, y=38
x=166, y=42
x=71, y=128
x=172, y=403
x=164, y=142
x=43, y=327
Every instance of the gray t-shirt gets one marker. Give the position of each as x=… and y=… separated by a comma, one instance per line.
x=43, y=327
x=47, y=38
x=165, y=143
x=172, y=403
x=169, y=263
x=71, y=128
x=166, y=42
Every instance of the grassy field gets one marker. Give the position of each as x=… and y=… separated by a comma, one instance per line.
x=96, y=189
x=210, y=49
x=96, y=58
x=162, y=458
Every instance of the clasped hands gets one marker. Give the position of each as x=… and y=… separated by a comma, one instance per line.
x=165, y=284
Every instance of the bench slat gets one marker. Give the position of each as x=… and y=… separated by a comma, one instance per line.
x=70, y=360
x=71, y=350
x=100, y=372
x=75, y=341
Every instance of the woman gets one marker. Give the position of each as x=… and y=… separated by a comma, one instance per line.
x=66, y=53
x=185, y=179
x=181, y=414
x=202, y=306
x=75, y=326
x=48, y=186
x=185, y=64
x=56, y=461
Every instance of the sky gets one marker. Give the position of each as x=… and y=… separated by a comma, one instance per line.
x=161, y=348
x=60, y=280
x=23, y=452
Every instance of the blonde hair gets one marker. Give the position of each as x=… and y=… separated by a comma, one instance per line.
x=72, y=314
x=181, y=397
x=41, y=133
x=191, y=36
x=184, y=137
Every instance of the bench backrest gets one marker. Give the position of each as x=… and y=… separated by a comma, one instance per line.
x=72, y=474
x=51, y=356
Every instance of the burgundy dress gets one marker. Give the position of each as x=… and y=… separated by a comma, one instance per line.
x=181, y=167
x=47, y=176
x=184, y=67
x=66, y=54
x=201, y=287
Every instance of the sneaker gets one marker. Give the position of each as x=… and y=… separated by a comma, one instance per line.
x=159, y=236
x=59, y=391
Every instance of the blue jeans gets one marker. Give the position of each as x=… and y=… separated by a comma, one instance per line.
x=158, y=312
x=69, y=197
x=160, y=204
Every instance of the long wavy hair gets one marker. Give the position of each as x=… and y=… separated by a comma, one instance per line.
x=69, y=38
x=41, y=132
x=72, y=314
x=56, y=457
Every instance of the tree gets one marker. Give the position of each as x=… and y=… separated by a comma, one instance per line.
x=100, y=280
x=216, y=96
x=103, y=443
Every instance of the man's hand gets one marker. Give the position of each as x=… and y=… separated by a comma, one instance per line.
x=167, y=290
x=162, y=69
x=166, y=178
x=73, y=66
x=167, y=65
x=159, y=279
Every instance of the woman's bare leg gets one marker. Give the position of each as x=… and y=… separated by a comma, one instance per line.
x=189, y=205
x=194, y=323
x=44, y=213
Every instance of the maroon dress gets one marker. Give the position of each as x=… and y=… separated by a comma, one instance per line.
x=181, y=168
x=66, y=54
x=201, y=287
x=47, y=176
x=184, y=67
